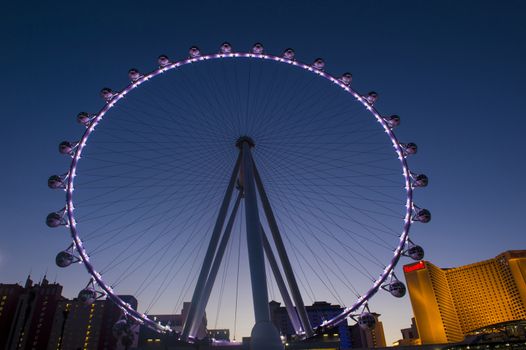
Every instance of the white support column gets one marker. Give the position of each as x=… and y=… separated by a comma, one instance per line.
x=293, y=316
x=212, y=246
x=264, y=335
x=282, y=253
x=201, y=305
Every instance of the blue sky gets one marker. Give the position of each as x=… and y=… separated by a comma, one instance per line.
x=453, y=71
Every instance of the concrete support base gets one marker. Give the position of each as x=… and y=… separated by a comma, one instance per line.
x=265, y=336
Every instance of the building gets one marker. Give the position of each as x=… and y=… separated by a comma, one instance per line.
x=77, y=325
x=35, y=308
x=368, y=338
x=409, y=335
x=219, y=334
x=9, y=294
x=450, y=303
x=317, y=313
x=148, y=337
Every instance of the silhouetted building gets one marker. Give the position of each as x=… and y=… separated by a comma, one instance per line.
x=450, y=303
x=77, y=325
x=317, y=313
x=31, y=323
x=409, y=335
x=368, y=338
x=9, y=294
x=219, y=334
x=148, y=337
x=411, y=332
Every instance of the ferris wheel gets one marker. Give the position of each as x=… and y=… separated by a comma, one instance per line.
x=232, y=166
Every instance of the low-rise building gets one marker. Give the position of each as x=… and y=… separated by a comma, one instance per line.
x=318, y=312
x=149, y=338
x=409, y=335
x=219, y=334
x=362, y=337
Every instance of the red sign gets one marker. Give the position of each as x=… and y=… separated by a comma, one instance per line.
x=416, y=266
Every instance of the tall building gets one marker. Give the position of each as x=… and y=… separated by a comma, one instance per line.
x=77, y=325
x=9, y=294
x=317, y=313
x=33, y=316
x=449, y=303
x=368, y=338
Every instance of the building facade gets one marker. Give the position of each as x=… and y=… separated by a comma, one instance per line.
x=37, y=317
x=409, y=335
x=31, y=322
x=368, y=338
x=449, y=303
x=317, y=313
x=219, y=334
x=77, y=325
x=9, y=295
x=148, y=337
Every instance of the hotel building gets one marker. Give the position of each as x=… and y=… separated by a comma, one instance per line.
x=30, y=323
x=9, y=294
x=451, y=302
x=88, y=327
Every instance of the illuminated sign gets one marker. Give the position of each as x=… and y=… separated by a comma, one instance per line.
x=413, y=267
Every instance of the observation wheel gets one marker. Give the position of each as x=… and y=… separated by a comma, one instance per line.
x=222, y=168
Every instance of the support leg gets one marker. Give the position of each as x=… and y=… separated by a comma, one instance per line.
x=201, y=304
x=212, y=246
x=282, y=253
x=293, y=316
x=264, y=335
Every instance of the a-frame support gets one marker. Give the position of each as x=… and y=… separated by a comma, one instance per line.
x=264, y=334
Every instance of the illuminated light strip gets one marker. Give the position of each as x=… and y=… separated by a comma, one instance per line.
x=142, y=318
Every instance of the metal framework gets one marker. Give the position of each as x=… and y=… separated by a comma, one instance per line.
x=252, y=185
x=258, y=246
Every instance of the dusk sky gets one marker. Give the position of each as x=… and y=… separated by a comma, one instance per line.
x=454, y=72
